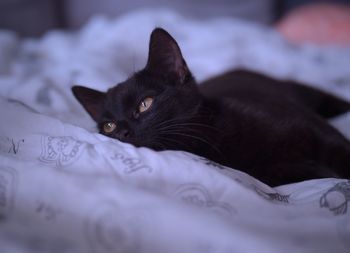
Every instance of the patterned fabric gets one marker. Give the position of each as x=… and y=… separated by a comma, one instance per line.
x=68, y=190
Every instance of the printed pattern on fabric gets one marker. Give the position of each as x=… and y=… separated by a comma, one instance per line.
x=60, y=151
x=131, y=164
x=10, y=145
x=198, y=195
x=211, y=163
x=336, y=198
x=272, y=196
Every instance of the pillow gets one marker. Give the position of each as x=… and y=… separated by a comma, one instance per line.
x=321, y=24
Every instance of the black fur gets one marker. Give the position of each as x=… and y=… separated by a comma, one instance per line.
x=273, y=130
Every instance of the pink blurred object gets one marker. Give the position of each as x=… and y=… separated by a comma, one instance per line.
x=321, y=24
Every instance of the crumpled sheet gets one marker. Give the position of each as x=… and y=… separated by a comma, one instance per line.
x=65, y=188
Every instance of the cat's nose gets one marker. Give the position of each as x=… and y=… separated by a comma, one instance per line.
x=123, y=134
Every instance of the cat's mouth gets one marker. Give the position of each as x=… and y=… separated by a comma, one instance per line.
x=155, y=145
x=138, y=144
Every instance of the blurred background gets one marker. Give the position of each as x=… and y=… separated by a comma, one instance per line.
x=34, y=17
x=48, y=45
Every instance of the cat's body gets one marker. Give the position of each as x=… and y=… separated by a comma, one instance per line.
x=254, y=86
x=275, y=129
x=271, y=130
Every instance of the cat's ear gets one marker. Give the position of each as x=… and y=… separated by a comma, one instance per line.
x=91, y=100
x=164, y=56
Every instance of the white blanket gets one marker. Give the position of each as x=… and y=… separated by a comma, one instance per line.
x=64, y=188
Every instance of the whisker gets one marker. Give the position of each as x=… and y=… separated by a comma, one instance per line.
x=171, y=140
x=183, y=125
x=194, y=137
x=183, y=119
x=178, y=119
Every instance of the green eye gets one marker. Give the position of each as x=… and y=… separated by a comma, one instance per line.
x=145, y=104
x=109, y=127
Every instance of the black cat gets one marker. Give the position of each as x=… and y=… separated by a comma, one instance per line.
x=270, y=129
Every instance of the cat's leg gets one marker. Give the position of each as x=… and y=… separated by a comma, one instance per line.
x=322, y=103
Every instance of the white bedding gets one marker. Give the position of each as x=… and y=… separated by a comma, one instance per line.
x=65, y=188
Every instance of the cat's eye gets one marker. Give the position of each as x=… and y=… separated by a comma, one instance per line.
x=145, y=104
x=109, y=127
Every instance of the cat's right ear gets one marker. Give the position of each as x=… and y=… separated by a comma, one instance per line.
x=165, y=56
x=91, y=100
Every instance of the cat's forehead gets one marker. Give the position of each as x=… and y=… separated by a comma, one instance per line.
x=121, y=90
x=132, y=88
x=126, y=95
x=123, y=93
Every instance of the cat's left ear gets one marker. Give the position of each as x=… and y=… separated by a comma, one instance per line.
x=165, y=56
x=91, y=100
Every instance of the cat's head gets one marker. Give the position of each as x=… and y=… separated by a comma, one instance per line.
x=144, y=109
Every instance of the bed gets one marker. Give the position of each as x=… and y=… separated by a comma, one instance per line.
x=66, y=188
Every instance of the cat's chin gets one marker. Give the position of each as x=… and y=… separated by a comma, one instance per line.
x=137, y=144
x=153, y=147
